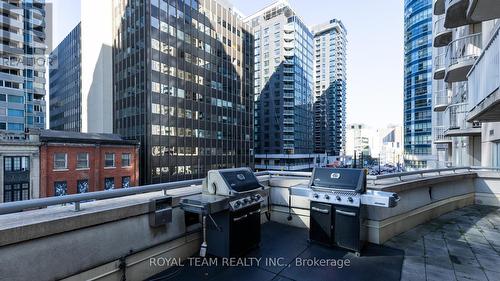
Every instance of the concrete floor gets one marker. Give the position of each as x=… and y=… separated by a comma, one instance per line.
x=461, y=245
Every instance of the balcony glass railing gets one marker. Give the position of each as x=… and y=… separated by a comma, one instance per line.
x=456, y=118
x=441, y=98
x=484, y=78
x=439, y=62
x=463, y=49
x=439, y=25
x=459, y=93
x=439, y=134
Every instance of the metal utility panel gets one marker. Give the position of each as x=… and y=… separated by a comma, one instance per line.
x=160, y=211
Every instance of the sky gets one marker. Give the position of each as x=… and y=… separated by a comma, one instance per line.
x=374, y=50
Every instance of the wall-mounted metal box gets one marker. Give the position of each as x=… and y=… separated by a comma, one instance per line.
x=160, y=211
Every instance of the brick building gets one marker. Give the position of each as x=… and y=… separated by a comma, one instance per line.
x=72, y=162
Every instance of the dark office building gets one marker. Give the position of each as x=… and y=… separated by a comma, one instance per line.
x=65, y=88
x=183, y=86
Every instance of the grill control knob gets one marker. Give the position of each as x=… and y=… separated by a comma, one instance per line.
x=327, y=197
x=256, y=197
x=246, y=200
x=315, y=195
x=243, y=202
x=349, y=199
x=338, y=198
x=237, y=204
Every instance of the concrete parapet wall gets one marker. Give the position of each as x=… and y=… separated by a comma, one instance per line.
x=110, y=238
x=57, y=242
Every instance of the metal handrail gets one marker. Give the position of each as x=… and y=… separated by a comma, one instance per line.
x=12, y=207
x=18, y=206
x=421, y=173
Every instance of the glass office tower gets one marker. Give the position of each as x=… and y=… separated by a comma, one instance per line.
x=65, y=84
x=283, y=88
x=418, y=84
x=183, y=86
x=22, y=71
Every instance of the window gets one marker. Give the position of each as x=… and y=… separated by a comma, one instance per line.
x=15, y=99
x=16, y=164
x=60, y=188
x=82, y=160
x=496, y=154
x=125, y=182
x=82, y=186
x=109, y=160
x=109, y=183
x=16, y=192
x=126, y=157
x=16, y=112
x=60, y=161
x=15, y=126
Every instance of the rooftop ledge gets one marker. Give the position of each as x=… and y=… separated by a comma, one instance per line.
x=59, y=242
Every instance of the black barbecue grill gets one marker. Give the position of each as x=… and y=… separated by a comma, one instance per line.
x=230, y=206
x=338, y=197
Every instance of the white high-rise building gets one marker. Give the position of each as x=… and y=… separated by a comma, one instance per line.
x=466, y=81
x=330, y=42
x=22, y=70
x=283, y=89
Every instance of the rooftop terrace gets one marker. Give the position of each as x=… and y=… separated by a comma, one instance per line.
x=445, y=227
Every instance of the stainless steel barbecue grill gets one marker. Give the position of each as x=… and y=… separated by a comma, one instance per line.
x=230, y=205
x=338, y=197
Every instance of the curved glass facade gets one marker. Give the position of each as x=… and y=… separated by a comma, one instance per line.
x=417, y=83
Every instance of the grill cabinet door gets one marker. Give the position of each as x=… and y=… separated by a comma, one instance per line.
x=321, y=222
x=347, y=228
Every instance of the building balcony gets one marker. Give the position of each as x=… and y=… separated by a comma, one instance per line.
x=441, y=100
x=442, y=214
x=288, y=37
x=484, y=82
x=442, y=36
x=439, y=135
x=483, y=10
x=456, y=121
x=288, y=46
x=439, y=66
x=11, y=8
x=439, y=7
x=15, y=37
x=11, y=49
x=456, y=13
x=461, y=54
x=11, y=22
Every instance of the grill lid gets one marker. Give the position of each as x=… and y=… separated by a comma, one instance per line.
x=346, y=179
x=240, y=180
